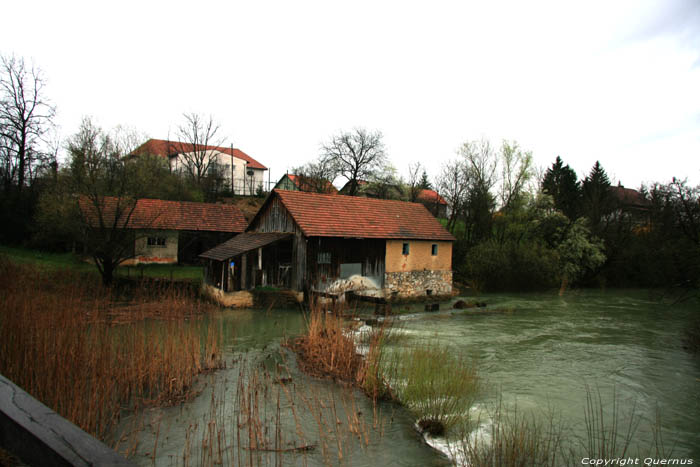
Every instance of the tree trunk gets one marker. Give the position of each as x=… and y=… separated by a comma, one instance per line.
x=564, y=285
x=107, y=272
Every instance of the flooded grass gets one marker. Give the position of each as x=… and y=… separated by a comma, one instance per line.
x=509, y=437
x=70, y=344
x=329, y=348
x=264, y=418
x=438, y=386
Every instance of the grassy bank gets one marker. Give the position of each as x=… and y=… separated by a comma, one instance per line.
x=68, y=261
x=89, y=353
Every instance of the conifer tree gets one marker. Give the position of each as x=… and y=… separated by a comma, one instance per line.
x=597, y=197
x=560, y=182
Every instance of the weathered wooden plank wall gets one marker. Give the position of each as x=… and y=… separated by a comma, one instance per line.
x=276, y=218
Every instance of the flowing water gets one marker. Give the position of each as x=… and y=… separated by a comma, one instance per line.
x=541, y=352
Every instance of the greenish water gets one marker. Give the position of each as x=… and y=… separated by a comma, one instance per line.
x=549, y=351
x=543, y=355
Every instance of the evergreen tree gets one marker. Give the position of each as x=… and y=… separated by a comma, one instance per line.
x=560, y=182
x=424, y=183
x=597, y=197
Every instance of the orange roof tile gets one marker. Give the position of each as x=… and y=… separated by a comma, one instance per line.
x=166, y=215
x=431, y=196
x=325, y=215
x=163, y=148
x=300, y=182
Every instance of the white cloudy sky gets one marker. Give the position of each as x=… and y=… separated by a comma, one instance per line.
x=615, y=81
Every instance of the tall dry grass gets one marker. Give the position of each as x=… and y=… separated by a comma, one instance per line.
x=89, y=353
x=329, y=349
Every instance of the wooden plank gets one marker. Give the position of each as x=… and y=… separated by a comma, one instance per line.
x=39, y=436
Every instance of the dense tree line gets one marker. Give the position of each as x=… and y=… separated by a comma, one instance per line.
x=517, y=232
x=27, y=144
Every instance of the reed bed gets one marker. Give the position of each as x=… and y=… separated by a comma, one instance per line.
x=513, y=438
x=89, y=353
x=329, y=349
x=510, y=437
x=438, y=386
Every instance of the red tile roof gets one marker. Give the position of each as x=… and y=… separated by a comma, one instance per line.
x=629, y=196
x=166, y=215
x=431, y=196
x=163, y=148
x=324, y=215
x=300, y=183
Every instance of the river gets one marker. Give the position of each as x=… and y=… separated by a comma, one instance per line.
x=537, y=352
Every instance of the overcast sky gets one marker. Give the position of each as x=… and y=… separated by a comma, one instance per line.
x=615, y=81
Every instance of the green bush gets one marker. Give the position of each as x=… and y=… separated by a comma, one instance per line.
x=438, y=386
x=510, y=265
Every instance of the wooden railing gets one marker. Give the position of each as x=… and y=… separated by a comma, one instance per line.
x=39, y=436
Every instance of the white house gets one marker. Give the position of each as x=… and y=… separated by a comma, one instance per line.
x=243, y=173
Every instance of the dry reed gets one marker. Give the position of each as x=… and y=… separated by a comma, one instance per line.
x=329, y=349
x=88, y=355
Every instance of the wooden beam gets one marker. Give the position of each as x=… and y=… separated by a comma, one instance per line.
x=39, y=436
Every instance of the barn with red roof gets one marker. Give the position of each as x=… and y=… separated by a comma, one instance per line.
x=164, y=231
x=331, y=243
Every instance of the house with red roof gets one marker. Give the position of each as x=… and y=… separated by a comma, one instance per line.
x=631, y=204
x=161, y=231
x=305, y=183
x=435, y=203
x=244, y=174
x=333, y=243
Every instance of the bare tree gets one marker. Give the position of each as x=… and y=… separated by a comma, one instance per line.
x=414, y=181
x=517, y=171
x=385, y=184
x=357, y=154
x=94, y=200
x=25, y=116
x=198, y=137
x=481, y=163
x=452, y=185
x=316, y=177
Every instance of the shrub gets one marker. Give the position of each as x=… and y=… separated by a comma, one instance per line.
x=527, y=265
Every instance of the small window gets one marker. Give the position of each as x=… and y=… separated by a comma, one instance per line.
x=405, y=249
x=156, y=241
x=324, y=258
x=434, y=249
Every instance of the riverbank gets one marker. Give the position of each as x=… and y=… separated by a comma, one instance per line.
x=545, y=354
x=89, y=352
x=628, y=415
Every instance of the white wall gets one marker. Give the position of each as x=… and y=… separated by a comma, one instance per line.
x=242, y=182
